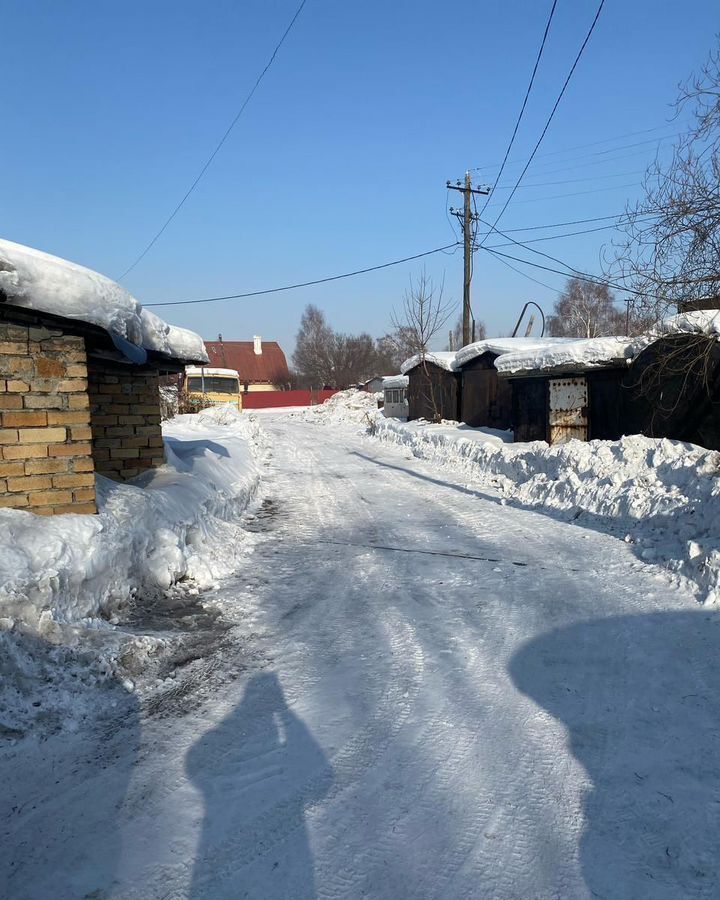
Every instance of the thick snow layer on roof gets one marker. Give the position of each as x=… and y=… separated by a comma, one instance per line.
x=445, y=359
x=504, y=345
x=395, y=381
x=576, y=355
x=701, y=321
x=36, y=280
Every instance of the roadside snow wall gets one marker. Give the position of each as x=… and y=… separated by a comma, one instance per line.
x=662, y=495
x=168, y=524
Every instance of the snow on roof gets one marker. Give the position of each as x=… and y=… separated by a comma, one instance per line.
x=35, y=280
x=395, y=381
x=445, y=359
x=578, y=355
x=503, y=345
x=700, y=321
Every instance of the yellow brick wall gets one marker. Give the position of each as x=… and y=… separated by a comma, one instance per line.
x=125, y=422
x=46, y=464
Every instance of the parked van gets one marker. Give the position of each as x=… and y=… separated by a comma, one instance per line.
x=218, y=385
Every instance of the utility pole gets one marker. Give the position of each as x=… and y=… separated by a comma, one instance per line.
x=468, y=218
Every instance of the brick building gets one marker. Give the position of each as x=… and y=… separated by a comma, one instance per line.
x=78, y=392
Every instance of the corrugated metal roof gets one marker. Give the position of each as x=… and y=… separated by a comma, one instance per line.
x=268, y=367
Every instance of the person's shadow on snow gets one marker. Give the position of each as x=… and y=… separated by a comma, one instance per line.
x=258, y=771
x=640, y=697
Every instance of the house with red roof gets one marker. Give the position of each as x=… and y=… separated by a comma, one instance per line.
x=260, y=364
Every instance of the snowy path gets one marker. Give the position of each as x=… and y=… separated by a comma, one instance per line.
x=431, y=695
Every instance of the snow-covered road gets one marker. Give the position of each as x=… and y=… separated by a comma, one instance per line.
x=429, y=694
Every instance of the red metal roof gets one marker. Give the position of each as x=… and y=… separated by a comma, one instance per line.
x=268, y=367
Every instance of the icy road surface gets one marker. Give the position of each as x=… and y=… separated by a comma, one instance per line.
x=428, y=695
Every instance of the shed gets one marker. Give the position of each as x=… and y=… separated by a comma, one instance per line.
x=569, y=389
x=80, y=361
x=395, y=405
x=486, y=399
x=433, y=391
x=672, y=388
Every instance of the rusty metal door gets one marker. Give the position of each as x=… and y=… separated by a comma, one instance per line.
x=568, y=410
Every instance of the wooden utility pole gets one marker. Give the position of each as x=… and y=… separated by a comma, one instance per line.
x=468, y=219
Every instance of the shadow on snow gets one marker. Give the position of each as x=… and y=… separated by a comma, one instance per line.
x=640, y=697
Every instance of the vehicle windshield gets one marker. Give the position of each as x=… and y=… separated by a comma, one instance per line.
x=214, y=384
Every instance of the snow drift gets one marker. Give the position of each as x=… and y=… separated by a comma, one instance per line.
x=166, y=525
x=662, y=495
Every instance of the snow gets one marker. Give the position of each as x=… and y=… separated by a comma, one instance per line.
x=421, y=691
x=351, y=405
x=505, y=345
x=663, y=496
x=395, y=381
x=702, y=321
x=162, y=527
x=35, y=280
x=445, y=359
x=577, y=355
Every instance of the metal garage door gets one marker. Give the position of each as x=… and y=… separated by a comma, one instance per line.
x=568, y=410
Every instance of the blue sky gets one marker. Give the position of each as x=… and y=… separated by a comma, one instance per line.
x=341, y=158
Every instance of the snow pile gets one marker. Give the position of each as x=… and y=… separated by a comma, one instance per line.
x=169, y=524
x=36, y=280
x=577, y=355
x=345, y=407
x=663, y=496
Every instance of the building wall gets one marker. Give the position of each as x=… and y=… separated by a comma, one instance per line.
x=125, y=420
x=258, y=386
x=433, y=392
x=486, y=400
x=46, y=464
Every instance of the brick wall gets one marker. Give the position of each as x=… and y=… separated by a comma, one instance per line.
x=125, y=421
x=46, y=464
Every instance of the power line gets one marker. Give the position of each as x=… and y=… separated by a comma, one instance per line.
x=292, y=287
x=574, y=273
x=215, y=152
x=553, y=110
x=617, y=137
x=614, y=187
x=524, y=104
x=506, y=187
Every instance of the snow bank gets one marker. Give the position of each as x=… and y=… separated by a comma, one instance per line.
x=575, y=354
x=169, y=524
x=36, y=280
x=351, y=406
x=663, y=496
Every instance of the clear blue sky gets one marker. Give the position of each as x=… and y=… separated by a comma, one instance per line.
x=340, y=160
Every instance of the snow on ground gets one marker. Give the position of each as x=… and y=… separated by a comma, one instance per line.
x=67, y=581
x=664, y=496
x=428, y=694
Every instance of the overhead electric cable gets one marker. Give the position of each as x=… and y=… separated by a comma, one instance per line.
x=524, y=104
x=225, y=136
x=292, y=287
x=552, y=111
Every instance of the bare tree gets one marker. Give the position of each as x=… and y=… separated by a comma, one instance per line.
x=670, y=253
x=421, y=321
x=585, y=310
x=479, y=333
